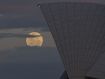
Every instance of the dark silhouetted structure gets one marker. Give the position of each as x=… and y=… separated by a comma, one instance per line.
x=78, y=30
x=65, y=76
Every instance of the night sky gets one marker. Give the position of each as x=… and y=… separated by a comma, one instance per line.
x=17, y=60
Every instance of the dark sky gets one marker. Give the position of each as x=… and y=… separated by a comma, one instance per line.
x=18, y=61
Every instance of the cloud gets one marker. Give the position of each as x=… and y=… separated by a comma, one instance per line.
x=14, y=38
x=9, y=35
x=21, y=23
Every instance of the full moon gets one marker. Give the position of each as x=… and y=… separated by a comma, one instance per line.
x=34, y=41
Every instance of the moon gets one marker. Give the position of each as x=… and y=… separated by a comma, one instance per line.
x=34, y=41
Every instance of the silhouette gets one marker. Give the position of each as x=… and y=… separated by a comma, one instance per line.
x=65, y=76
x=78, y=29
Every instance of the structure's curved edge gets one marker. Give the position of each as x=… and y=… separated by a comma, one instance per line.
x=64, y=18
x=65, y=76
x=38, y=2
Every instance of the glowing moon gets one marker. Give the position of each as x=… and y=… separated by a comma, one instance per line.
x=34, y=41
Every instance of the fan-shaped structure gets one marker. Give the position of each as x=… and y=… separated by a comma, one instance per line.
x=65, y=76
x=78, y=30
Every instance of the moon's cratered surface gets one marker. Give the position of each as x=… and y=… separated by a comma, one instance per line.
x=34, y=41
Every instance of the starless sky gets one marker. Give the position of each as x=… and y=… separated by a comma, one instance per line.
x=21, y=16
x=17, y=61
